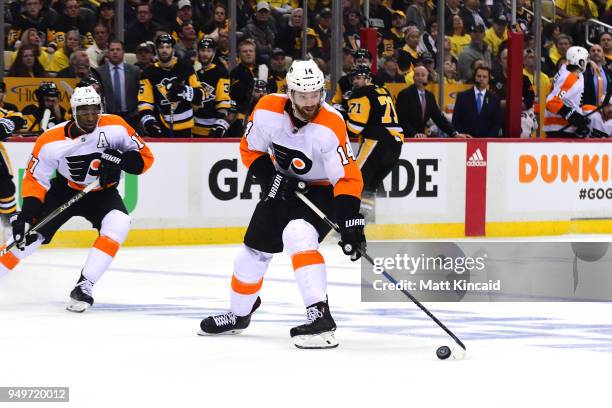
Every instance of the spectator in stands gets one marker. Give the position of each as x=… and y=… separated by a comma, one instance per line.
x=323, y=31
x=416, y=106
x=277, y=82
x=106, y=16
x=164, y=12
x=97, y=51
x=478, y=49
x=459, y=39
x=47, y=98
x=390, y=72
x=451, y=9
x=222, y=54
x=499, y=88
x=407, y=56
x=260, y=31
x=186, y=48
x=597, y=78
x=120, y=83
x=3, y=104
x=313, y=49
x=529, y=72
x=141, y=30
x=61, y=57
x=31, y=37
x=472, y=13
x=418, y=14
x=427, y=43
x=289, y=38
x=243, y=75
x=79, y=66
x=184, y=15
x=605, y=40
x=380, y=16
x=561, y=44
x=26, y=64
x=393, y=39
x=145, y=55
x=352, y=25
x=36, y=15
x=74, y=18
x=218, y=22
x=450, y=70
x=477, y=111
x=497, y=34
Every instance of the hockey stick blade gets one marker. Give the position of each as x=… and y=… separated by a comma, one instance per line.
x=52, y=215
x=390, y=278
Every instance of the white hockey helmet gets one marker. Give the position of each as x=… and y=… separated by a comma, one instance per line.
x=84, y=96
x=577, y=56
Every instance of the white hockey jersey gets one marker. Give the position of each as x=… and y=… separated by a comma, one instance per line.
x=567, y=91
x=78, y=158
x=319, y=152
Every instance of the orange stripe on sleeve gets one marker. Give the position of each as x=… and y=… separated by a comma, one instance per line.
x=32, y=188
x=556, y=102
x=147, y=157
x=245, y=288
x=247, y=155
x=352, y=182
x=306, y=258
x=107, y=245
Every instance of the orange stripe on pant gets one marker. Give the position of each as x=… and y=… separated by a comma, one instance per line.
x=306, y=258
x=245, y=288
x=9, y=260
x=107, y=245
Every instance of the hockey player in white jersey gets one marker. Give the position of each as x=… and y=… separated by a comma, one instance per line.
x=65, y=159
x=563, y=117
x=309, y=142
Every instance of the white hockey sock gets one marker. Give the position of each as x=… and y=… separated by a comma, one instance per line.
x=100, y=258
x=250, y=266
x=10, y=260
x=311, y=276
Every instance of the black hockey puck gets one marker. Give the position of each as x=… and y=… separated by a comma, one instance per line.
x=443, y=352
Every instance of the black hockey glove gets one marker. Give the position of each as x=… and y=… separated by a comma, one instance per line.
x=219, y=128
x=151, y=127
x=21, y=222
x=110, y=167
x=283, y=187
x=178, y=92
x=576, y=119
x=7, y=127
x=352, y=238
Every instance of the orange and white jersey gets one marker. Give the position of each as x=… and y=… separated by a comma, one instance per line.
x=567, y=91
x=77, y=158
x=319, y=152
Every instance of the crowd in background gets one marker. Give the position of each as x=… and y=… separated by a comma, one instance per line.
x=74, y=39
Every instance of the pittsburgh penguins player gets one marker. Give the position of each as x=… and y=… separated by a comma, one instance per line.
x=309, y=142
x=10, y=121
x=168, y=90
x=210, y=119
x=64, y=160
x=372, y=118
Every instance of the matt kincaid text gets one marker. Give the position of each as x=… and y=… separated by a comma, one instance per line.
x=462, y=285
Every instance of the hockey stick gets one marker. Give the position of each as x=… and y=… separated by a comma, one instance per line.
x=53, y=214
x=45, y=119
x=67, y=88
x=605, y=103
x=368, y=258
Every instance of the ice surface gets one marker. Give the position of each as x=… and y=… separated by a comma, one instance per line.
x=137, y=347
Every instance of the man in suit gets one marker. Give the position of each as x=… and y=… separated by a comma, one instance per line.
x=477, y=111
x=416, y=106
x=120, y=83
x=597, y=78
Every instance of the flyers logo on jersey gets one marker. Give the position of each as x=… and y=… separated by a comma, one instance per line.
x=291, y=159
x=81, y=166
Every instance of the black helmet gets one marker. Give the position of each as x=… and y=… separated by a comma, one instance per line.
x=260, y=86
x=206, y=42
x=165, y=39
x=88, y=81
x=362, y=53
x=361, y=70
x=47, y=89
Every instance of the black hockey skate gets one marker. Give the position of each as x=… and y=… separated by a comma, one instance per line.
x=227, y=323
x=80, y=297
x=318, y=332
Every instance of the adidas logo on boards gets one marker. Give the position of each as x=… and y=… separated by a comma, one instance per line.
x=476, y=160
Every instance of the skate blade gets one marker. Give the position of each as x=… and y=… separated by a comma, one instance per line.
x=76, y=306
x=203, y=333
x=316, y=341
